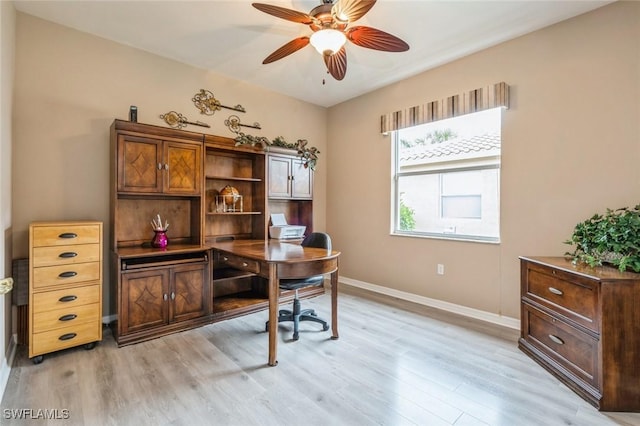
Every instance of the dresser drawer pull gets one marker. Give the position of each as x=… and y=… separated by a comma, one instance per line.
x=69, y=298
x=68, y=317
x=68, y=235
x=556, y=291
x=556, y=339
x=67, y=336
x=67, y=274
x=68, y=254
x=225, y=258
x=245, y=264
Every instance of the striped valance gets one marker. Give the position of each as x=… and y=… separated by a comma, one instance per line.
x=495, y=95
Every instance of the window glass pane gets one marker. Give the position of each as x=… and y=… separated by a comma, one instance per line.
x=447, y=178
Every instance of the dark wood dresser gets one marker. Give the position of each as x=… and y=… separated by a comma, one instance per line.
x=582, y=324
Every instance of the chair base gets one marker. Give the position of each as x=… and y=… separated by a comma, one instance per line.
x=297, y=315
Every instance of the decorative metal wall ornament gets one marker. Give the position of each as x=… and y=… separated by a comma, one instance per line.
x=233, y=123
x=208, y=104
x=178, y=121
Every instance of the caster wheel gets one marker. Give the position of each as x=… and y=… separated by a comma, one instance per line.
x=325, y=327
x=90, y=346
x=266, y=327
x=38, y=359
x=296, y=336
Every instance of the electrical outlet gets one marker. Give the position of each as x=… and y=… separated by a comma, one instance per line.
x=440, y=269
x=6, y=284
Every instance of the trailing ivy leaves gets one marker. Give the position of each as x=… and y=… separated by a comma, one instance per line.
x=308, y=154
x=612, y=238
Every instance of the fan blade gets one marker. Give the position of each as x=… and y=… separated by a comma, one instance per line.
x=281, y=12
x=286, y=50
x=351, y=10
x=372, y=38
x=337, y=63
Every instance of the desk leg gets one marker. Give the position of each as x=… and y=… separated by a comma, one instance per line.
x=334, y=305
x=273, y=314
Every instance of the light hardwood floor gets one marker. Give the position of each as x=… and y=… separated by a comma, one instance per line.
x=395, y=364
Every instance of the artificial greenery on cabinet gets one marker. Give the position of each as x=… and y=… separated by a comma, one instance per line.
x=612, y=238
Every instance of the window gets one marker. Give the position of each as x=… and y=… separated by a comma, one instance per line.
x=446, y=178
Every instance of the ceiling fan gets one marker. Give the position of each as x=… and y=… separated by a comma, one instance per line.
x=329, y=23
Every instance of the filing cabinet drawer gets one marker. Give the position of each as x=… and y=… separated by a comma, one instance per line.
x=65, y=235
x=65, y=337
x=570, y=295
x=239, y=263
x=574, y=350
x=65, y=317
x=52, y=276
x=67, y=298
x=64, y=255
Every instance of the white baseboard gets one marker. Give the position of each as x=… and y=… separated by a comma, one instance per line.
x=5, y=368
x=434, y=303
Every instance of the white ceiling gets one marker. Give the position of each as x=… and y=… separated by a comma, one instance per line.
x=232, y=38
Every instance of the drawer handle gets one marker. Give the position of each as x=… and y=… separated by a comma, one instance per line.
x=67, y=274
x=556, y=291
x=556, y=339
x=68, y=235
x=68, y=254
x=68, y=317
x=245, y=264
x=225, y=258
x=69, y=298
x=67, y=336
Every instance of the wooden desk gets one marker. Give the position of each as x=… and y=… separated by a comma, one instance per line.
x=279, y=260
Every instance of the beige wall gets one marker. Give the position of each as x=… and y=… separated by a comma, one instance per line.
x=70, y=86
x=7, y=41
x=571, y=147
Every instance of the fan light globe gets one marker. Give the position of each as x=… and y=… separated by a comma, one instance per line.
x=328, y=41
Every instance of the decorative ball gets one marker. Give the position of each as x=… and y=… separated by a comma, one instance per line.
x=231, y=195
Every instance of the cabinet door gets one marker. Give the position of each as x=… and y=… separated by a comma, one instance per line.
x=301, y=180
x=189, y=292
x=279, y=176
x=144, y=300
x=139, y=164
x=182, y=168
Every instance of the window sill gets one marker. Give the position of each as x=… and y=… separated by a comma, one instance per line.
x=466, y=239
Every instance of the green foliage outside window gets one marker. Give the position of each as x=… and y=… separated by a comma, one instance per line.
x=612, y=238
x=407, y=219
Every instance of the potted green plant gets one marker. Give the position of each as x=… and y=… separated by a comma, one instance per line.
x=612, y=238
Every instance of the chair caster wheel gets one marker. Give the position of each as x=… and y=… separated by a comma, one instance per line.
x=325, y=327
x=89, y=346
x=296, y=336
x=38, y=359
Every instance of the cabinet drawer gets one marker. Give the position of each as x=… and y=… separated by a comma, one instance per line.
x=65, y=235
x=572, y=296
x=51, y=276
x=572, y=349
x=241, y=263
x=67, y=298
x=65, y=337
x=64, y=255
x=65, y=317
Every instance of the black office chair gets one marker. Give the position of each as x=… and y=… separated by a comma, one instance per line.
x=315, y=239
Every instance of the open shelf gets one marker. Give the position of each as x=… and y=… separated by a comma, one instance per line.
x=239, y=179
x=238, y=302
x=231, y=213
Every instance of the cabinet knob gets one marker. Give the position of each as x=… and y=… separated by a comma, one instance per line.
x=225, y=258
x=164, y=296
x=159, y=166
x=173, y=295
x=166, y=166
x=245, y=264
x=556, y=291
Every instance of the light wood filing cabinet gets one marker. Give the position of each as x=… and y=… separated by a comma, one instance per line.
x=65, y=286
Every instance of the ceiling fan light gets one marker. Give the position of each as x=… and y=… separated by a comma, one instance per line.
x=328, y=41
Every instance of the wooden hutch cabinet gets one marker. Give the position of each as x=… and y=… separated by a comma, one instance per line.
x=179, y=175
x=290, y=187
x=582, y=324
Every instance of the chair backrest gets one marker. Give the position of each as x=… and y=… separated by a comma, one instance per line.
x=318, y=240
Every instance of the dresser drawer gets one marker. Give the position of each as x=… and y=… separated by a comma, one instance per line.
x=52, y=276
x=572, y=349
x=67, y=298
x=65, y=337
x=65, y=317
x=64, y=255
x=571, y=295
x=239, y=263
x=65, y=235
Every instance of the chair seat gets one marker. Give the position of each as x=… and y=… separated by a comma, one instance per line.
x=295, y=284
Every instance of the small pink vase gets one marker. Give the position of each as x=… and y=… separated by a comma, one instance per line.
x=160, y=239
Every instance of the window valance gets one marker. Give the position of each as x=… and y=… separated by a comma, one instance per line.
x=492, y=96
